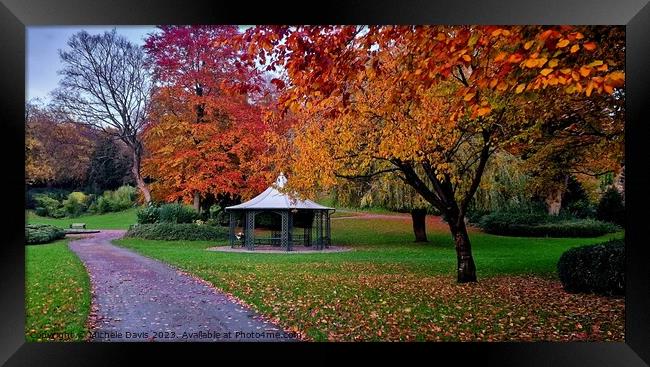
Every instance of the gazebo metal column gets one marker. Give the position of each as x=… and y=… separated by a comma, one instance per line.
x=231, y=232
x=328, y=229
x=249, y=237
x=287, y=224
x=318, y=223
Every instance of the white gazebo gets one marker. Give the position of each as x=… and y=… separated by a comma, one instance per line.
x=287, y=207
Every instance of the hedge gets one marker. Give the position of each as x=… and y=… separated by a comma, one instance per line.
x=594, y=268
x=177, y=213
x=542, y=225
x=177, y=232
x=42, y=233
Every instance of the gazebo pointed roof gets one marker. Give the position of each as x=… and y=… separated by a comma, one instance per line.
x=272, y=198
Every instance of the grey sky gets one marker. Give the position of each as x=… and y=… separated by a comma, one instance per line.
x=43, y=61
x=43, y=43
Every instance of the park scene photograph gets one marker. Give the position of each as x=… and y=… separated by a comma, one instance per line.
x=330, y=183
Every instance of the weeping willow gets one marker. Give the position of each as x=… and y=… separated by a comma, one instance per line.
x=504, y=185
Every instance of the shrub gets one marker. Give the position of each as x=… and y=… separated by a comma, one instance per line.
x=45, y=205
x=501, y=221
x=177, y=213
x=42, y=233
x=56, y=194
x=579, y=209
x=75, y=204
x=595, y=268
x=148, y=214
x=114, y=201
x=177, y=231
x=543, y=225
x=611, y=207
x=124, y=197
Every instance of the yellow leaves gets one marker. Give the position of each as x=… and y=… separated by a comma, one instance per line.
x=553, y=63
x=595, y=63
x=574, y=48
x=467, y=58
x=545, y=72
x=528, y=45
x=468, y=97
x=520, y=88
x=562, y=43
x=441, y=36
x=589, y=46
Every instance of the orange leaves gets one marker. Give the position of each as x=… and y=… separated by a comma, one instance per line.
x=500, y=32
x=585, y=71
x=401, y=92
x=483, y=111
x=535, y=62
x=617, y=78
x=515, y=58
x=589, y=46
x=469, y=96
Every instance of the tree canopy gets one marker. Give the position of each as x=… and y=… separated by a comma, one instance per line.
x=427, y=103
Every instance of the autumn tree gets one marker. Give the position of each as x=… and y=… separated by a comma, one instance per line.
x=206, y=130
x=429, y=104
x=57, y=152
x=580, y=135
x=105, y=85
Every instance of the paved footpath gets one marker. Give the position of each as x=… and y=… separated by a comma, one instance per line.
x=136, y=298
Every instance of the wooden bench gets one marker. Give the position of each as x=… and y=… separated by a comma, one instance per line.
x=78, y=225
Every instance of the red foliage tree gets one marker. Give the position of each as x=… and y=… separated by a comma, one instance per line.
x=206, y=128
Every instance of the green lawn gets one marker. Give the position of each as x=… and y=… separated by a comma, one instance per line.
x=390, y=288
x=116, y=220
x=57, y=299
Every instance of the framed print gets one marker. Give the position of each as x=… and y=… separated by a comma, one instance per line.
x=458, y=179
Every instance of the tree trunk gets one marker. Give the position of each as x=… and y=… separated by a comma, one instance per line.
x=466, y=268
x=554, y=202
x=138, y=177
x=197, y=201
x=554, y=199
x=419, y=217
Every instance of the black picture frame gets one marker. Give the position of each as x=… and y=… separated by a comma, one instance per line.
x=16, y=15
